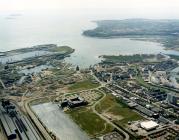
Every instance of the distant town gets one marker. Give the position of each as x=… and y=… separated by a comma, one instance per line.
x=124, y=97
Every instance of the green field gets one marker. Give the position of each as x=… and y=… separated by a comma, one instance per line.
x=142, y=82
x=90, y=122
x=87, y=84
x=112, y=105
x=63, y=49
x=126, y=58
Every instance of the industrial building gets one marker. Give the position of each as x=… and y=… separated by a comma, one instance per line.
x=74, y=102
x=149, y=125
x=8, y=126
x=173, y=99
x=15, y=125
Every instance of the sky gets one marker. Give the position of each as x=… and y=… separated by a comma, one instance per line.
x=132, y=8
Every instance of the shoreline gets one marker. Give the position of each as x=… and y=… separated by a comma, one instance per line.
x=157, y=31
x=24, y=54
x=136, y=39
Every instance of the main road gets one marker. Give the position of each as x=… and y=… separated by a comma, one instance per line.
x=36, y=121
x=104, y=118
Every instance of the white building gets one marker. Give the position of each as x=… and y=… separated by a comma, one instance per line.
x=149, y=125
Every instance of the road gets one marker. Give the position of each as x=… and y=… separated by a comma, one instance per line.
x=107, y=120
x=104, y=118
x=2, y=84
x=36, y=121
x=104, y=85
x=157, y=106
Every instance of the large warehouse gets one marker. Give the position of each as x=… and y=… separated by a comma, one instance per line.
x=149, y=125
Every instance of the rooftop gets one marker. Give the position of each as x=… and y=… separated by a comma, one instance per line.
x=148, y=125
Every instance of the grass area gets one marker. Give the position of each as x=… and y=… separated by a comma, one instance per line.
x=64, y=49
x=112, y=105
x=90, y=122
x=142, y=82
x=87, y=84
x=65, y=72
x=176, y=57
x=126, y=58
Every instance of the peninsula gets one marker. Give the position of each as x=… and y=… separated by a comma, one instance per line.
x=165, y=32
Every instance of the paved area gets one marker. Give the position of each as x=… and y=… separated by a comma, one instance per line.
x=58, y=122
